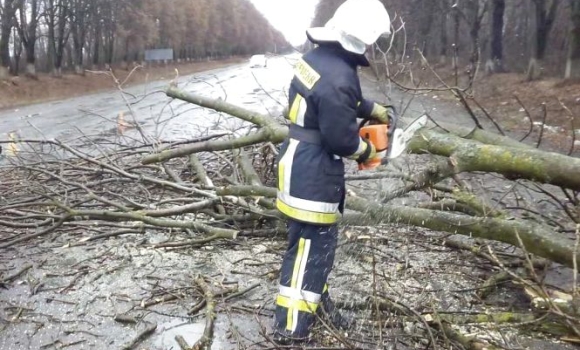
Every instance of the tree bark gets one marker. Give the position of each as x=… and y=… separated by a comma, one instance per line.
x=444, y=36
x=6, y=23
x=79, y=19
x=573, y=61
x=537, y=239
x=471, y=156
x=427, y=11
x=496, y=60
x=545, y=16
x=27, y=32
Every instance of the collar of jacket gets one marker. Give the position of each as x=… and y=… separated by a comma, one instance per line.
x=352, y=58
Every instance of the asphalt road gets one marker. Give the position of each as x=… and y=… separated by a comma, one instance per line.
x=96, y=116
x=85, y=313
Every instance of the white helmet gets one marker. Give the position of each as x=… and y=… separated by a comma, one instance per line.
x=355, y=24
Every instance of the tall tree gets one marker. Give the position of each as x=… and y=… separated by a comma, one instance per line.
x=495, y=62
x=57, y=17
x=425, y=14
x=443, y=14
x=573, y=61
x=476, y=10
x=545, y=13
x=28, y=17
x=7, y=13
x=79, y=26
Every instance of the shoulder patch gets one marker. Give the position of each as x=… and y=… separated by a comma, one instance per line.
x=306, y=74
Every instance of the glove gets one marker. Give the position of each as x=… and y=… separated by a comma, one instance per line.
x=369, y=153
x=380, y=113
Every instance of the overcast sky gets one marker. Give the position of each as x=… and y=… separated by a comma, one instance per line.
x=291, y=17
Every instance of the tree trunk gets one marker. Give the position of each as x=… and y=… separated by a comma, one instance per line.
x=6, y=22
x=27, y=33
x=456, y=38
x=96, y=46
x=495, y=64
x=425, y=25
x=444, y=38
x=545, y=17
x=573, y=62
x=16, y=52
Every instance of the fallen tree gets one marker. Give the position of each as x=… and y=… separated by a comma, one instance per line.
x=464, y=151
x=220, y=188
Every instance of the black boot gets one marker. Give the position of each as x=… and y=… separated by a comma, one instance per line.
x=329, y=313
x=285, y=338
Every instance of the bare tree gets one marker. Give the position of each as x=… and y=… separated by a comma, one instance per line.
x=425, y=14
x=444, y=7
x=7, y=12
x=28, y=17
x=545, y=11
x=79, y=23
x=573, y=62
x=495, y=62
x=57, y=18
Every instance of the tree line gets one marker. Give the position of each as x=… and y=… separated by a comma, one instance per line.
x=538, y=37
x=50, y=35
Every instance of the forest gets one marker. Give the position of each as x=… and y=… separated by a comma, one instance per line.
x=52, y=35
x=538, y=37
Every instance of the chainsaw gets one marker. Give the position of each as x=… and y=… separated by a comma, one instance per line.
x=389, y=141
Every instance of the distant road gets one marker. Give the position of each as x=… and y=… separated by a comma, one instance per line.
x=261, y=89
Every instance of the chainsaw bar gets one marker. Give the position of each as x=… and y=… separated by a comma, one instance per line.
x=401, y=138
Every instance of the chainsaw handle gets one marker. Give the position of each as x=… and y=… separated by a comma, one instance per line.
x=393, y=120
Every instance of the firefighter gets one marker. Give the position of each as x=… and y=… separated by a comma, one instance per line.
x=325, y=100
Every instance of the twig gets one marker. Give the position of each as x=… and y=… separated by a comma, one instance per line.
x=16, y=274
x=150, y=328
x=206, y=339
x=527, y=115
x=544, y=117
x=242, y=292
x=182, y=342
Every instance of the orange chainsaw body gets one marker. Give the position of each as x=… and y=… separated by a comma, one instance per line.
x=377, y=135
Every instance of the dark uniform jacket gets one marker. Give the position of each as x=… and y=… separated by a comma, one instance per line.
x=325, y=101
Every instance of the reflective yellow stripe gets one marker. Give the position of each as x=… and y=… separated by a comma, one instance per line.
x=307, y=216
x=301, y=305
x=295, y=108
x=362, y=148
x=297, y=263
x=281, y=177
x=295, y=275
x=306, y=74
x=325, y=288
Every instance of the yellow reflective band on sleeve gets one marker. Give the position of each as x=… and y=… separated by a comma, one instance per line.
x=295, y=109
x=307, y=216
x=281, y=169
x=362, y=148
x=325, y=288
x=306, y=74
x=292, y=304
